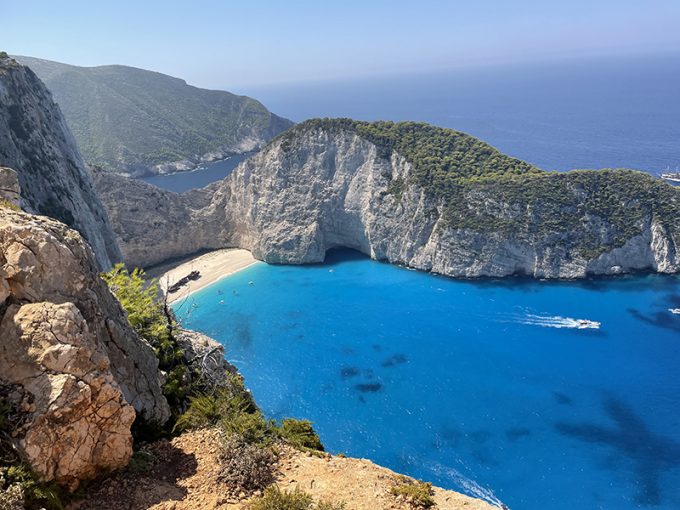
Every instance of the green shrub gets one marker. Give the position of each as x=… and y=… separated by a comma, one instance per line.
x=36, y=494
x=245, y=467
x=146, y=314
x=416, y=493
x=300, y=434
x=152, y=322
x=224, y=405
x=233, y=410
x=276, y=499
x=396, y=187
x=252, y=427
x=3, y=54
x=6, y=204
x=330, y=505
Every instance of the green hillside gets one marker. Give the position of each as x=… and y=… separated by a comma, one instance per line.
x=125, y=118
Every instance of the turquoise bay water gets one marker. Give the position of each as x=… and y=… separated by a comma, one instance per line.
x=475, y=386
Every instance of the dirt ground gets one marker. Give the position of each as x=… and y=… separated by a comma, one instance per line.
x=183, y=475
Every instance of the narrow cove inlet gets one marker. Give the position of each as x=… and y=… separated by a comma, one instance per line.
x=489, y=387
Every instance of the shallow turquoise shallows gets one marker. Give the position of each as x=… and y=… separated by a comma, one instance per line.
x=484, y=387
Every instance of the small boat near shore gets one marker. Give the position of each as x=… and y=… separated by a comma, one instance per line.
x=671, y=176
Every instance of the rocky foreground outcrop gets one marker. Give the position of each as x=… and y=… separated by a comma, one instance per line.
x=324, y=185
x=36, y=142
x=73, y=370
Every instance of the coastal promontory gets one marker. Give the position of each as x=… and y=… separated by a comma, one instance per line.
x=412, y=194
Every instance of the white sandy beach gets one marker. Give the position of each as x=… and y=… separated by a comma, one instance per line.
x=212, y=266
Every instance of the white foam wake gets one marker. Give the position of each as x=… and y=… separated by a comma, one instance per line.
x=557, y=321
x=470, y=487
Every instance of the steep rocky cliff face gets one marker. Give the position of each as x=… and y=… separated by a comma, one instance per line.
x=154, y=225
x=35, y=141
x=70, y=364
x=324, y=185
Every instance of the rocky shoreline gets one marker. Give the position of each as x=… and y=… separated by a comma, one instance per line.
x=189, y=164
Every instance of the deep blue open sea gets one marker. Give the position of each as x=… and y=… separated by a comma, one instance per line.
x=480, y=386
x=587, y=113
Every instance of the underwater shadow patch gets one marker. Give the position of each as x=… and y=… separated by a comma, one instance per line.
x=515, y=433
x=369, y=387
x=672, y=300
x=243, y=335
x=392, y=361
x=349, y=372
x=662, y=319
x=448, y=435
x=562, y=398
x=651, y=454
x=484, y=457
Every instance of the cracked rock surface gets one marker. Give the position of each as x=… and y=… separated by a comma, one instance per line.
x=65, y=340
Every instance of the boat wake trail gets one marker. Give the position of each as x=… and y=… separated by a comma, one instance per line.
x=469, y=486
x=554, y=321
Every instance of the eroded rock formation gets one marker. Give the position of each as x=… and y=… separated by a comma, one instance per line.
x=65, y=341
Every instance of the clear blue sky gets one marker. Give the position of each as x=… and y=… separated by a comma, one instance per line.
x=221, y=44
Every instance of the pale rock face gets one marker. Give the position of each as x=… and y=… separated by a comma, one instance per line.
x=37, y=144
x=290, y=203
x=158, y=224
x=42, y=262
x=205, y=356
x=80, y=422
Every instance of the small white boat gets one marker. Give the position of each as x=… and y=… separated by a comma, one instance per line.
x=671, y=176
x=675, y=311
x=586, y=324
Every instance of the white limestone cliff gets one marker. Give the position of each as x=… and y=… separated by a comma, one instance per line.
x=292, y=203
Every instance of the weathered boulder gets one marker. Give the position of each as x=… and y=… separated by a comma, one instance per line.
x=66, y=341
x=80, y=422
